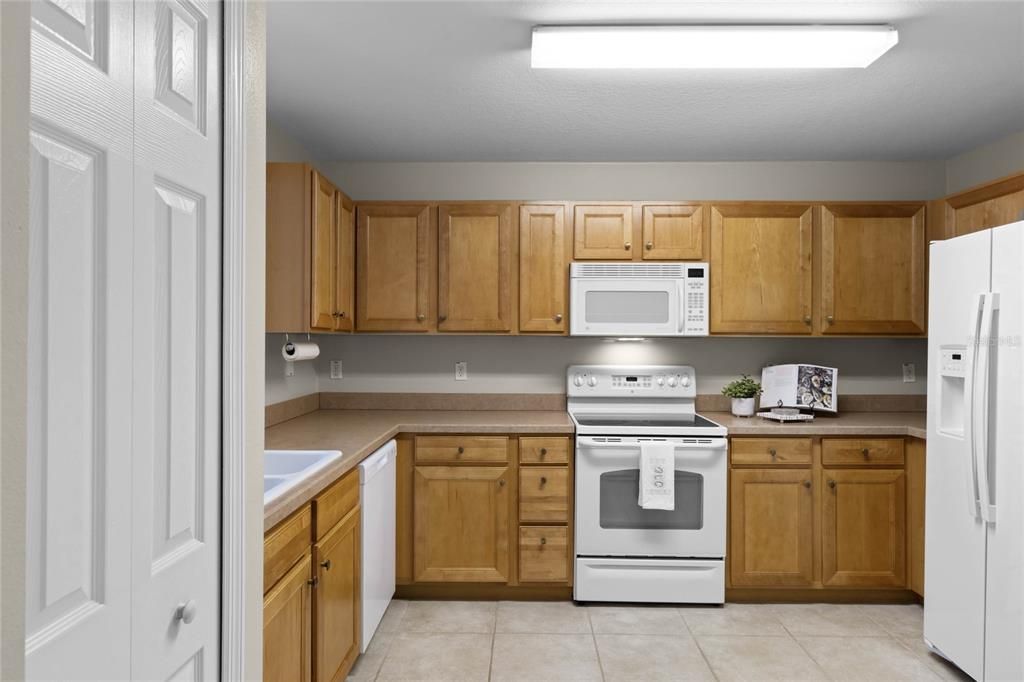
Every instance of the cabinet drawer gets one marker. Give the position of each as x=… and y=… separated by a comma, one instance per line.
x=334, y=503
x=771, y=451
x=544, y=494
x=285, y=544
x=535, y=450
x=456, y=449
x=862, y=452
x=544, y=554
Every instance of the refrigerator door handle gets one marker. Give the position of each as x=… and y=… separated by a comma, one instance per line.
x=979, y=404
x=971, y=477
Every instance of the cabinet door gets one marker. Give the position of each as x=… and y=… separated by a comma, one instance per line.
x=322, y=284
x=345, y=270
x=603, y=232
x=864, y=528
x=461, y=518
x=396, y=259
x=673, y=232
x=476, y=268
x=543, y=269
x=286, y=627
x=761, y=268
x=771, y=528
x=872, y=269
x=336, y=609
x=916, y=471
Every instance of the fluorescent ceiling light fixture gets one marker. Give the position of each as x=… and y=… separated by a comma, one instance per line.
x=710, y=47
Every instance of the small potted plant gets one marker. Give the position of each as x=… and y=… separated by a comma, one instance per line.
x=744, y=392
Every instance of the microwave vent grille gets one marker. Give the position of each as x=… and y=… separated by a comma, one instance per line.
x=628, y=270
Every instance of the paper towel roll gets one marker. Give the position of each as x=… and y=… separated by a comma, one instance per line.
x=302, y=350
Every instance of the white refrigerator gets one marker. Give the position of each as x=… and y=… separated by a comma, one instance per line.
x=974, y=523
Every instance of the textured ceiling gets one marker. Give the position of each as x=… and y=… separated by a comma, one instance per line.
x=451, y=81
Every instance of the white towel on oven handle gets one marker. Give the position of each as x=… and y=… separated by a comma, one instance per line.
x=657, y=475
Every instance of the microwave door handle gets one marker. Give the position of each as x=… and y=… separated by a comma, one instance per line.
x=980, y=407
x=971, y=461
x=681, y=292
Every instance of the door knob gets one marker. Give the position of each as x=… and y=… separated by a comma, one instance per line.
x=326, y=565
x=442, y=318
x=185, y=612
x=771, y=451
x=864, y=451
x=501, y=483
x=543, y=451
x=341, y=314
x=461, y=449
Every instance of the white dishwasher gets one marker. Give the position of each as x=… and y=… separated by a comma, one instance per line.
x=377, y=532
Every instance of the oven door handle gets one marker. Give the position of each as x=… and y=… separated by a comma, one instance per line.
x=594, y=442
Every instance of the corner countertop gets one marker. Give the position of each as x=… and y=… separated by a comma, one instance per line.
x=358, y=434
x=847, y=424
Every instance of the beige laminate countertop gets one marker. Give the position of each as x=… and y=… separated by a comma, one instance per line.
x=358, y=433
x=848, y=424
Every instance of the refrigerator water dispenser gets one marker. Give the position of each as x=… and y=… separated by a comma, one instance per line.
x=952, y=409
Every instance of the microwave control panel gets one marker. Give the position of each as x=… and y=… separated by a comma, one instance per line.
x=695, y=300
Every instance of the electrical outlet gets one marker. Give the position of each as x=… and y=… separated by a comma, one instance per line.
x=461, y=371
x=336, y=369
x=909, y=373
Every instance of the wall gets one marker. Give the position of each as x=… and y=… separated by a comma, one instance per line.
x=988, y=162
x=409, y=363
x=281, y=387
x=14, y=216
x=283, y=147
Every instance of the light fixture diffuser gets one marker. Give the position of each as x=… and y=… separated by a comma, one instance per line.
x=710, y=47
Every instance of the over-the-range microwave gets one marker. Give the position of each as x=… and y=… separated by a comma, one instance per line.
x=638, y=299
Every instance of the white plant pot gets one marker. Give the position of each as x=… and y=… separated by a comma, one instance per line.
x=743, y=407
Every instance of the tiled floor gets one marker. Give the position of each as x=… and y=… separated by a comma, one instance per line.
x=534, y=641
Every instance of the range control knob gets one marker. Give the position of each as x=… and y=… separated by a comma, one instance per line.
x=592, y=381
x=684, y=381
x=671, y=382
x=660, y=380
x=578, y=379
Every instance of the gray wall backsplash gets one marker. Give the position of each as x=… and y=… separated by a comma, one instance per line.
x=525, y=364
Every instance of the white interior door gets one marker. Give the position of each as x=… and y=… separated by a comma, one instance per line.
x=124, y=344
x=176, y=341
x=79, y=438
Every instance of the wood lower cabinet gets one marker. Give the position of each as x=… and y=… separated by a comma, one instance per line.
x=761, y=268
x=544, y=554
x=461, y=523
x=603, y=231
x=396, y=261
x=545, y=242
x=873, y=269
x=476, y=265
x=771, y=526
x=672, y=231
x=287, y=654
x=916, y=471
x=864, y=540
x=336, y=603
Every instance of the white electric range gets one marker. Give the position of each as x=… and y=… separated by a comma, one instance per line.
x=624, y=552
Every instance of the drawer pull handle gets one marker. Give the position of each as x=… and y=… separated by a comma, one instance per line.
x=831, y=484
x=442, y=318
x=830, y=319
x=543, y=541
x=807, y=319
x=649, y=245
x=807, y=484
x=326, y=565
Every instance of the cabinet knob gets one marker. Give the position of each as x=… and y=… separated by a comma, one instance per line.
x=831, y=484
x=313, y=582
x=543, y=451
x=334, y=314
x=543, y=481
x=420, y=318
x=628, y=245
x=649, y=245
x=807, y=484
x=341, y=314
x=186, y=612
x=543, y=541
x=807, y=319
x=501, y=483
x=461, y=450
x=771, y=451
x=830, y=319
x=865, y=452
x=326, y=565
x=558, y=317
x=442, y=318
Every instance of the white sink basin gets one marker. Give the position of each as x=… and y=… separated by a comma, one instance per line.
x=285, y=469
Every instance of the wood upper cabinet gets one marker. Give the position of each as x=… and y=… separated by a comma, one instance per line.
x=345, y=260
x=771, y=528
x=476, y=265
x=396, y=257
x=336, y=605
x=995, y=204
x=287, y=654
x=864, y=528
x=673, y=231
x=461, y=523
x=324, y=250
x=873, y=270
x=761, y=268
x=544, y=255
x=603, y=232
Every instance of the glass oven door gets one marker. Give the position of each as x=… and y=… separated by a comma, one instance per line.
x=609, y=520
x=626, y=307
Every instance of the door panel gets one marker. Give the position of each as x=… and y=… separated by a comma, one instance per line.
x=345, y=282
x=476, y=268
x=673, y=232
x=761, y=268
x=337, y=599
x=544, y=257
x=287, y=616
x=176, y=340
x=771, y=518
x=79, y=454
x=395, y=268
x=324, y=253
x=864, y=541
x=603, y=232
x=461, y=521
x=872, y=269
